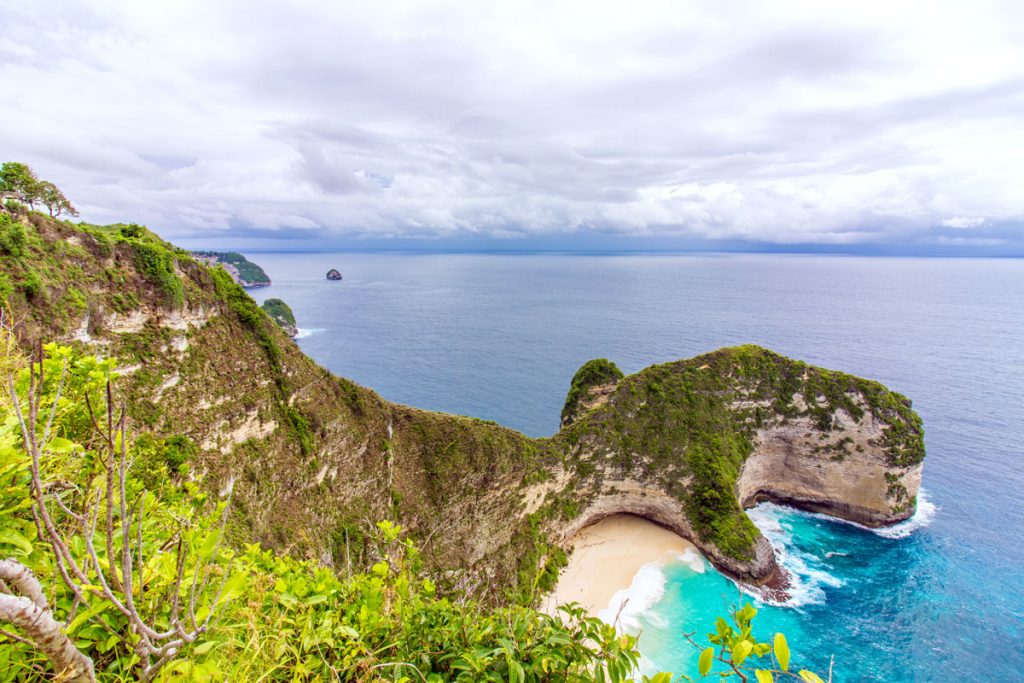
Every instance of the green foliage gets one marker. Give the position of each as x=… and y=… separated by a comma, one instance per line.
x=166, y=516
x=283, y=619
x=156, y=263
x=32, y=284
x=279, y=312
x=19, y=182
x=132, y=231
x=695, y=421
x=300, y=426
x=54, y=200
x=12, y=236
x=738, y=653
x=591, y=374
x=250, y=315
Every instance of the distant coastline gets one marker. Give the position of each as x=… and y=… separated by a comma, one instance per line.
x=245, y=272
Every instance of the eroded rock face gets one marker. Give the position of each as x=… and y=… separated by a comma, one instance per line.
x=847, y=475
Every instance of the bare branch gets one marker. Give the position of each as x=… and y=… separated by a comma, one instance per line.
x=23, y=581
x=42, y=629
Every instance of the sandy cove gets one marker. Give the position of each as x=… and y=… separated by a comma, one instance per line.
x=607, y=555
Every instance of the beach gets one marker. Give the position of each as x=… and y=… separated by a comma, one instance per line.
x=606, y=557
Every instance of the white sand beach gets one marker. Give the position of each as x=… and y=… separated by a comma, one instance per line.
x=607, y=555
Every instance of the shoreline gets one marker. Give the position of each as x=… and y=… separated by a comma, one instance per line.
x=607, y=556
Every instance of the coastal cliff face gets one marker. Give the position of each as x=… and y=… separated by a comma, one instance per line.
x=314, y=460
x=691, y=444
x=856, y=480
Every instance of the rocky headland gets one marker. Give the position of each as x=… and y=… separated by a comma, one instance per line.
x=314, y=460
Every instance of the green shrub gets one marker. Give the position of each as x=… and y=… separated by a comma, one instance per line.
x=32, y=283
x=156, y=263
x=592, y=373
x=12, y=236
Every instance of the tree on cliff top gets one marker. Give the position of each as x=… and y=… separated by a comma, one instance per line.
x=20, y=183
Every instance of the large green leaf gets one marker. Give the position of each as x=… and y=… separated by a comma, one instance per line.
x=782, y=651
x=706, y=658
x=741, y=651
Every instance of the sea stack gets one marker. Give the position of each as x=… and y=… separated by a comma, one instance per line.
x=333, y=274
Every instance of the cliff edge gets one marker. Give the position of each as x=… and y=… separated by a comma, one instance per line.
x=314, y=460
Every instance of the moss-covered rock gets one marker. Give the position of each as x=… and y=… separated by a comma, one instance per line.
x=281, y=313
x=589, y=386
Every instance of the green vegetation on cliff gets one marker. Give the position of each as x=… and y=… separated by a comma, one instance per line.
x=249, y=273
x=234, y=613
x=695, y=421
x=281, y=313
x=219, y=399
x=593, y=373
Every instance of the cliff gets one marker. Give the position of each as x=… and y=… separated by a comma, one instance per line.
x=244, y=271
x=315, y=459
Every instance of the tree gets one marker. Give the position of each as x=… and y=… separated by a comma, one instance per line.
x=19, y=182
x=103, y=537
x=54, y=200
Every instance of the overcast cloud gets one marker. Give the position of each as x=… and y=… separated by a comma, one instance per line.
x=784, y=122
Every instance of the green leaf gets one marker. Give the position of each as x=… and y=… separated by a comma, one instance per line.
x=205, y=647
x=9, y=536
x=60, y=445
x=782, y=651
x=706, y=658
x=660, y=678
x=810, y=676
x=741, y=650
x=516, y=673
x=764, y=676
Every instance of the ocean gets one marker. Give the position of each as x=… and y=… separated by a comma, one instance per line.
x=940, y=598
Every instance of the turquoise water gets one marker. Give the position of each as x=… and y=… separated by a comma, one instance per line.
x=499, y=337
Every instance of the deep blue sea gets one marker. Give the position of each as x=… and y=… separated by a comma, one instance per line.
x=500, y=336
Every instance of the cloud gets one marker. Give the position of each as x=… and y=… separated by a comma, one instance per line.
x=789, y=123
x=964, y=222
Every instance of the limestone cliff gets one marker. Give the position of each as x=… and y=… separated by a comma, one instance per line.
x=315, y=459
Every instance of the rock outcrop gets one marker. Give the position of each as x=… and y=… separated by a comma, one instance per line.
x=333, y=274
x=691, y=444
x=281, y=313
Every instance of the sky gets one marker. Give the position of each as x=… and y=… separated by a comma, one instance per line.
x=874, y=127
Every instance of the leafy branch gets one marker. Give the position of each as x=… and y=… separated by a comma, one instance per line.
x=736, y=647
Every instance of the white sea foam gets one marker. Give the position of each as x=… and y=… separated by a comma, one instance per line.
x=628, y=605
x=693, y=559
x=922, y=517
x=808, y=578
x=308, y=332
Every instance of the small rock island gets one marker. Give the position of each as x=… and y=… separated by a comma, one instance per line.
x=333, y=274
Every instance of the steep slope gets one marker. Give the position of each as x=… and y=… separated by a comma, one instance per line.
x=314, y=459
